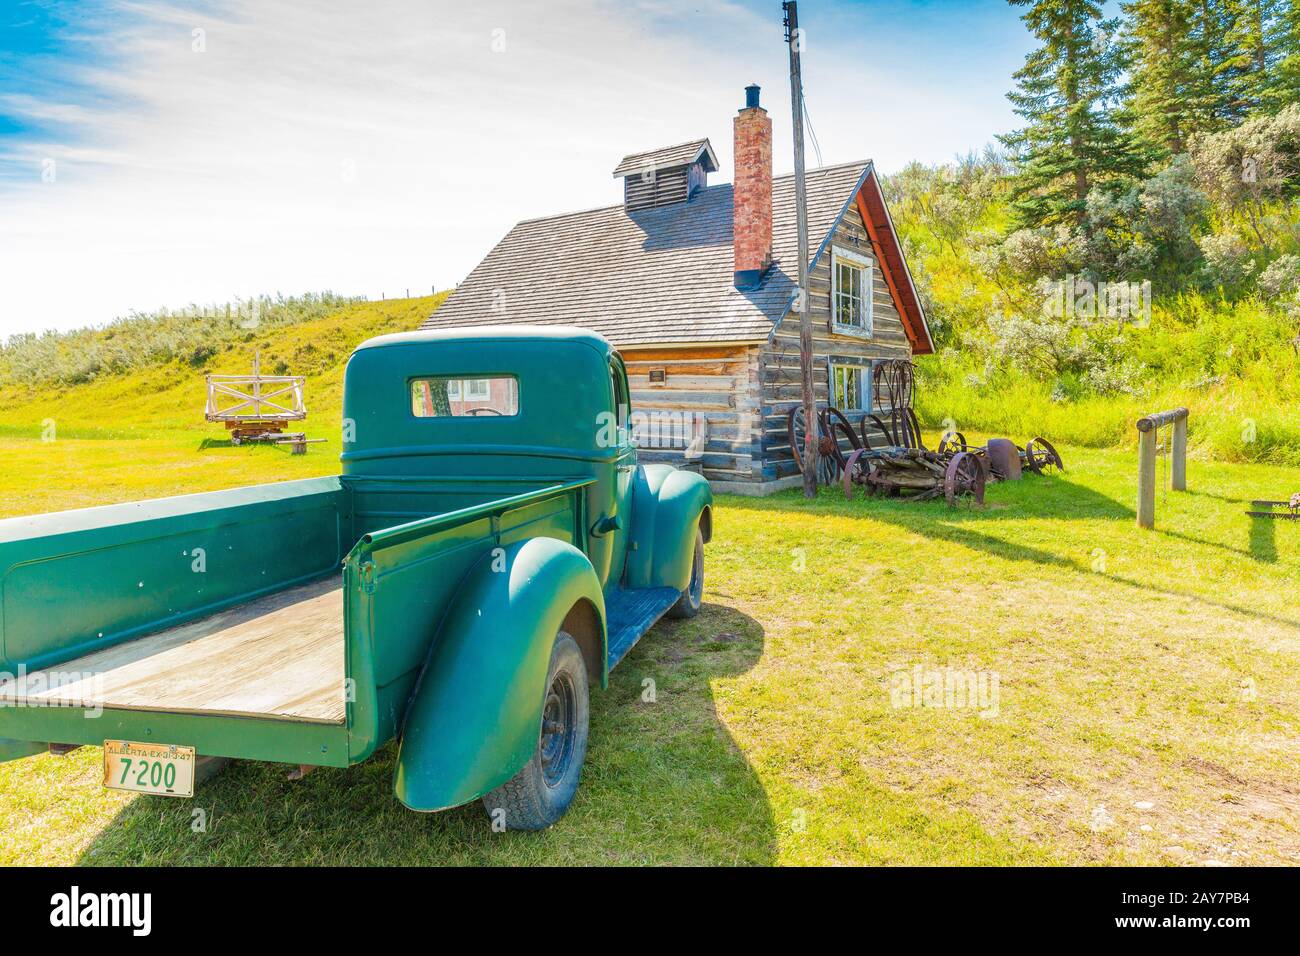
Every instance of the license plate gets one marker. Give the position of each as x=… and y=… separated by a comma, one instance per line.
x=165, y=769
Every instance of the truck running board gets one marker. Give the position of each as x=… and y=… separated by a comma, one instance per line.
x=629, y=613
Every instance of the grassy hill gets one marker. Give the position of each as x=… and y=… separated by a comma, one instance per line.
x=141, y=433
x=1221, y=337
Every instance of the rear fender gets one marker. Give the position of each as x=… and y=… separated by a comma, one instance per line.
x=668, y=505
x=475, y=716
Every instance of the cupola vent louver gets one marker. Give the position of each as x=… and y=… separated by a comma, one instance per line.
x=665, y=176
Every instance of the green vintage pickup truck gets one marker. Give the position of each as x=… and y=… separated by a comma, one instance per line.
x=491, y=550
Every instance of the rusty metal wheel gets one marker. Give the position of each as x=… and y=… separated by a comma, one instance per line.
x=952, y=442
x=880, y=425
x=965, y=476
x=1004, y=459
x=829, y=459
x=855, y=472
x=912, y=430
x=834, y=428
x=795, y=428
x=1040, y=455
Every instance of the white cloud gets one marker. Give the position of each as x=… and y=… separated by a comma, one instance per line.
x=373, y=147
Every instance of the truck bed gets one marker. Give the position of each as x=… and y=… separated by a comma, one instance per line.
x=280, y=656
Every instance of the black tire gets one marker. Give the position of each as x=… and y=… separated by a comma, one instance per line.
x=541, y=792
x=688, y=605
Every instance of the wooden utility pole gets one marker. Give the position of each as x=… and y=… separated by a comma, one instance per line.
x=794, y=39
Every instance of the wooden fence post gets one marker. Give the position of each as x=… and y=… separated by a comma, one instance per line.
x=1178, y=464
x=1148, y=427
x=1146, y=506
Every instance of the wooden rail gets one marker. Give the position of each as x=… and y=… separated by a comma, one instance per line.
x=247, y=398
x=1147, y=427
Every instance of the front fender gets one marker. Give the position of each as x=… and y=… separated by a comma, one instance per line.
x=667, y=506
x=475, y=716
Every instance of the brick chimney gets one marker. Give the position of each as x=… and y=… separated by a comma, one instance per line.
x=752, y=193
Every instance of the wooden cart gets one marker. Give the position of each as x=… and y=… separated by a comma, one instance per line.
x=256, y=408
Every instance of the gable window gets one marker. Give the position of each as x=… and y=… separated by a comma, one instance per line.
x=851, y=285
x=850, y=388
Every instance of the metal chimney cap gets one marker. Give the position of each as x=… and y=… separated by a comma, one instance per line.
x=751, y=96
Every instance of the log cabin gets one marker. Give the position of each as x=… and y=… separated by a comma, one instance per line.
x=694, y=284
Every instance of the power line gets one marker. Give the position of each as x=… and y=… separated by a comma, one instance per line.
x=812, y=133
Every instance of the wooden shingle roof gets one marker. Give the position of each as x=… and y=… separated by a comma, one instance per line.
x=669, y=157
x=655, y=276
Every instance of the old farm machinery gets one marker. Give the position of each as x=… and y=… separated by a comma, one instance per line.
x=1289, y=509
x=255, y=408
x=885, y=453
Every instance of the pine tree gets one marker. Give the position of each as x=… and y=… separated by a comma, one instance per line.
x=1162, y=50
x=1210, y=94
x=1257, y=35
x=1067, y=92
x=1287, y=89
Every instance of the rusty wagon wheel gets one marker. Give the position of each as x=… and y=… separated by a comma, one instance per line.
x=834, y=427
x=880, y=425
x=912, y=430
x=856, y=469
x=828, y=460
x=795, y=428
x=826, y=468
x=1041, y=454
x=952, y=442
x=965, y=476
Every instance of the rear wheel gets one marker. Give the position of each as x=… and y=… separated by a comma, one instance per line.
x=688, y=605
x=541, y=792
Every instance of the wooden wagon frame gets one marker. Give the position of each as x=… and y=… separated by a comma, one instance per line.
x=257, y=407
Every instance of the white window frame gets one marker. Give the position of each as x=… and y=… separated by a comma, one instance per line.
x=863, y=372
x=473, y=387
x=865, y=327
x=453, y=390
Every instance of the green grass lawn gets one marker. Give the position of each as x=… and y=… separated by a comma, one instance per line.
x=1148, y=683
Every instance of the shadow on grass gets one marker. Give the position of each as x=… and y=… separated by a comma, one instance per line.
x=1229, y=499
x=663, y=783
x=1036, y=498
x=1263, y=539
x=1259, y=550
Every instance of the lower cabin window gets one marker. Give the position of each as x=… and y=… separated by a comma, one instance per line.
x=446, y=396
x=849, y=387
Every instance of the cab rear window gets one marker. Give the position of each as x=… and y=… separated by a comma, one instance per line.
x=469, y=396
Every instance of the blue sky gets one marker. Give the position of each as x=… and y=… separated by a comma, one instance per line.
x=156, y=153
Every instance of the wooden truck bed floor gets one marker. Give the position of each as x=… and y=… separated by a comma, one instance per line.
x=279, y=656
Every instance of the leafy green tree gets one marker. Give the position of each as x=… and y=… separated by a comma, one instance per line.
x=1253, y=171
x=1068, y=92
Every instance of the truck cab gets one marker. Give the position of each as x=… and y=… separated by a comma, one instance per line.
x=489, y=553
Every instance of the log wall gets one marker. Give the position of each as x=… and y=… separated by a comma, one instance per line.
x=779, y=360
x=719, y=383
